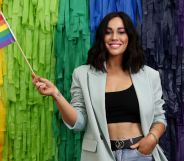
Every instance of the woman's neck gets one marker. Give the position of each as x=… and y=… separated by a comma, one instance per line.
x=114, y=64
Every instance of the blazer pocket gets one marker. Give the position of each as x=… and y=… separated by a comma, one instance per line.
x=89, y=145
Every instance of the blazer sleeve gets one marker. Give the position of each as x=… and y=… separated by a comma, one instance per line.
x=159, y=113
x=77, y=102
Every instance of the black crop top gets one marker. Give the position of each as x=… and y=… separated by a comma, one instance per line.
x=122, y=106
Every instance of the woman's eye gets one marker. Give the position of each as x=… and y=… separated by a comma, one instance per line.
x=122, y=32
x=108, y=32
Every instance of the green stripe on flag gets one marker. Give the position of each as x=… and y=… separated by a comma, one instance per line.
x=4, y=33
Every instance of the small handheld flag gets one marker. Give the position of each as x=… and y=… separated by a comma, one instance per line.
x=6, y=36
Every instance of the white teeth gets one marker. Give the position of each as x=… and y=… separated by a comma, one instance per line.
x=115, y=45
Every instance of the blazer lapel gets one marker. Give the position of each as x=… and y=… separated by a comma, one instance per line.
x=96, y=82
x=142, y=88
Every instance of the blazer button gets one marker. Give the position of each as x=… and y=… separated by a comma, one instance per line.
x=101, y=137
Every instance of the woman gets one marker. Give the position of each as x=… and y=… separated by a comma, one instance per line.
x=116, y=99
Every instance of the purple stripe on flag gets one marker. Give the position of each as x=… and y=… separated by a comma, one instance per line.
x=9, y=41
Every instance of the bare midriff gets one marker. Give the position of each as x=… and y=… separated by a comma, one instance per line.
x=125, y=130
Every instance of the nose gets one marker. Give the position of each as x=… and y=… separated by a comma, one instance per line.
x=114, y=36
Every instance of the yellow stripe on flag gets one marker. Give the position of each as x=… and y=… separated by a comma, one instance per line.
x=3, y=27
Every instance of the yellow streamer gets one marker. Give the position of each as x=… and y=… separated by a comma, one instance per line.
x=2, y=127
x=2, y=107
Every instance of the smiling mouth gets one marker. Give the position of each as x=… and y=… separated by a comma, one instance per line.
x=115, y=46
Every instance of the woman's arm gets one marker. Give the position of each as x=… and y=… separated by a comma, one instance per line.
x=156, y=131
x=159, y=122
x=74, y=113
x=45, y=87
x=148, y=143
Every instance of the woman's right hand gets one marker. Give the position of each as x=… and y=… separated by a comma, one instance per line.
x=47, y=88
x=44, y=86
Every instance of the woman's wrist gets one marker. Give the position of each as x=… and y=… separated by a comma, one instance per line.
x=56, y=94
x=154, y=136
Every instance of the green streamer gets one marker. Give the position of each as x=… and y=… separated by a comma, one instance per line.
x=71, y=46
x=29, y=134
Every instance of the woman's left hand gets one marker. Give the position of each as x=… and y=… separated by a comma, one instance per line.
x=145, y=145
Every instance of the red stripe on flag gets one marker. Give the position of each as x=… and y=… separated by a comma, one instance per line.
x=1, y=18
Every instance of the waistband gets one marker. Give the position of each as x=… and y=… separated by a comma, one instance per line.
x=124, y=144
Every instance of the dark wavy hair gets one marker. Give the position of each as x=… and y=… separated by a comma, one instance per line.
x=133, y=57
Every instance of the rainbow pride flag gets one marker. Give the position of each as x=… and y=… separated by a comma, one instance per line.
x=6, y=36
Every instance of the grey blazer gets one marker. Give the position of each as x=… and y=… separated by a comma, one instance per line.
x=88, y=97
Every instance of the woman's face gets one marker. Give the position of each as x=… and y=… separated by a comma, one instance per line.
x=116, y=38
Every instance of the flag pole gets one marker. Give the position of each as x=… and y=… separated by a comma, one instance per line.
x=25, y=57
x=23, y=54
